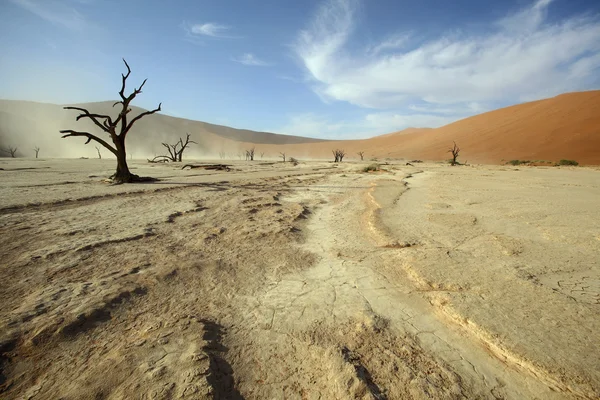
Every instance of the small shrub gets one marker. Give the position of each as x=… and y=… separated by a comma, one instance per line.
x=372, y=167
x=518, y=162
x=294, y=161
x=568, y=162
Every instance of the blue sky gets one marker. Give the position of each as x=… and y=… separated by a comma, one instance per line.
x=321, y=68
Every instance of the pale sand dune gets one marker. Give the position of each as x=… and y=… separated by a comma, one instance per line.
x=307, y=281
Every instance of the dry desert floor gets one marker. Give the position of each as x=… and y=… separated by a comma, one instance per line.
x=315, y=281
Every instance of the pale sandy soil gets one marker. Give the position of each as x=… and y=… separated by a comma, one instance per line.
x=314, y=281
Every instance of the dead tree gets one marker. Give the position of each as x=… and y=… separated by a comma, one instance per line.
x=250, y=154
x=37, y=151
x=99, y=154
x=338, y=154
x=173, y=151
x=117, y=129
x=10, y=150
x=262, y=154
x=454, y=150
x=361, y=154
x=183, y=146
x=282, y=156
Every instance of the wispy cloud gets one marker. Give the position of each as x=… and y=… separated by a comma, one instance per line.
x=371, y=124
x=210, y=29
x=393, y=42
x=61, y=13
x=522, y=57
x=251, y=60
x=194, y=32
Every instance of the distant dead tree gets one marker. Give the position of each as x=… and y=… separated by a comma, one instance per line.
x=454, y=150
x=173, y=151
x=250, y=154
x=99, y=154
x=361, y=154
x=221, y=155
x=10, y=150
x=117, y=129
x=282, y=155
x=338, y=154
x=262, y=154
x=37, y=151
x=183, y=146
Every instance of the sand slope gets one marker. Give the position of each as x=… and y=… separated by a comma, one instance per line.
x=563, y=127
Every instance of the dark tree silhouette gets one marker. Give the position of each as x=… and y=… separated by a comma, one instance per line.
x=173, y=151
x=338, y=154
x=250, y=154
x=117, y=129
x=183, y=146
x=282, y=155
x=98, y=150
x=10, y=150
x=454, y=150
x=37, y=151
x=361, y=154
x=176, y=150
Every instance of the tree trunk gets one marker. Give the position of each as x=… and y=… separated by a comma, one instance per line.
x=122, y=175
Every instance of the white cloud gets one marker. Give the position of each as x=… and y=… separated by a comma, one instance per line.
x=62, y=13
x=523, y=57
x=393, y=42
x=372, y=124
x=385, y=122
x=209, y=29
x=310, y=124
x=251, y=60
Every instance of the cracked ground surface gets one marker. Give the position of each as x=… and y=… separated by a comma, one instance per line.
x=313, y=281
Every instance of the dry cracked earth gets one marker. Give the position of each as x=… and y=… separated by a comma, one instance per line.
x=315, y=281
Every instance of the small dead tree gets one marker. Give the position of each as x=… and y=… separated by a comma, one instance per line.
x=282, y=155
x=10, y=150
x=250, y=154
x=262, y=154
x=362, y=155
x=37, y=151
x=117, y=129
x=183, y=146
x=99, y=154
x=173, y=151
x=338, y=155
x=454, y=150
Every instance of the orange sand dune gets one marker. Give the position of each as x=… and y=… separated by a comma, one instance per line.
x=562, y=127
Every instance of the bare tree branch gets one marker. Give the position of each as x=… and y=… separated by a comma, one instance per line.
x=124, y=76
x=184, y=146
x=90, y=137
x=93, y=117
x=339, y=155
x=10, y=150
x=128, y=127
x=172, y=148
x=455, y=151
